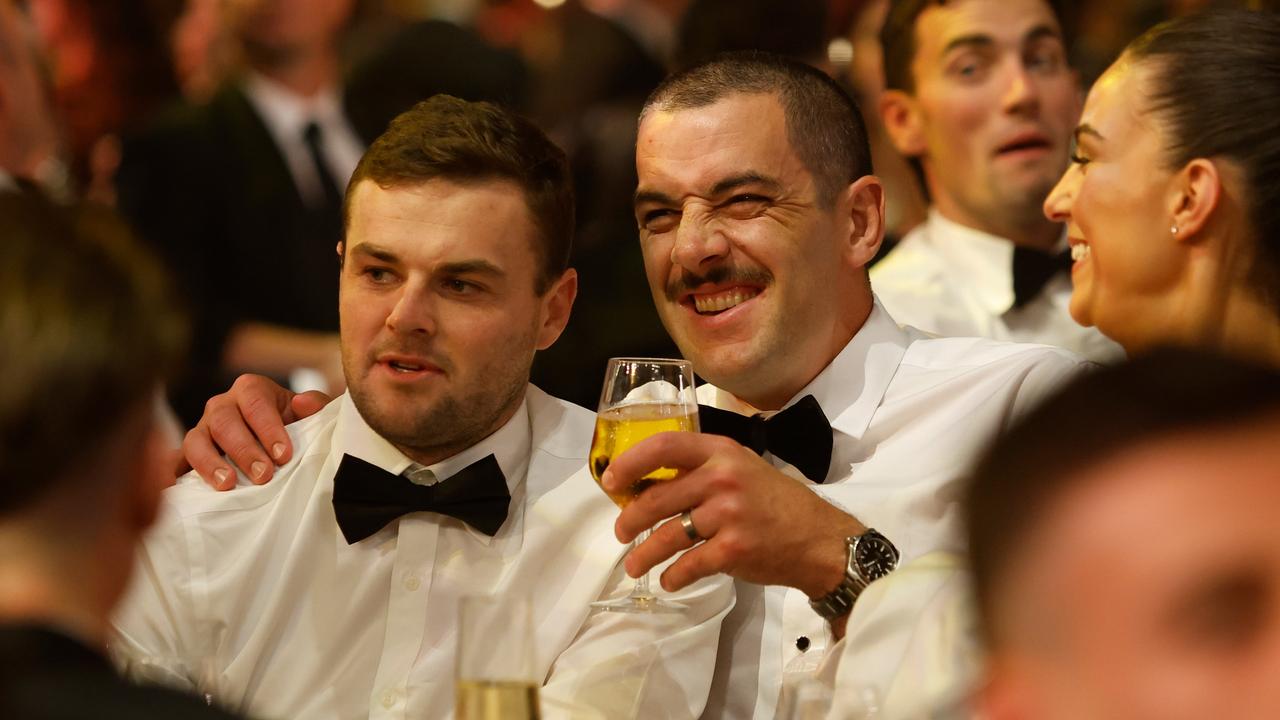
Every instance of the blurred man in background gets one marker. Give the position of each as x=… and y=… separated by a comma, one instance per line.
x=980, y=95
x=244, y=196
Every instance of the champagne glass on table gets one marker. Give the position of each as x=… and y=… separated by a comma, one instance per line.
x=495, y=670
x=641, y=397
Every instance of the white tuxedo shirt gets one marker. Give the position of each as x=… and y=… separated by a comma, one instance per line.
x=259, y=585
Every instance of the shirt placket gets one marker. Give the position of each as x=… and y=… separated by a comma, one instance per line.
x=406, y=618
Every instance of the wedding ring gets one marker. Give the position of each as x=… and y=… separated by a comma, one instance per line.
x=686, y=522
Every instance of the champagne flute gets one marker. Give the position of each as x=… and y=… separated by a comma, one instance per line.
x=495, y=660
x=641, y=397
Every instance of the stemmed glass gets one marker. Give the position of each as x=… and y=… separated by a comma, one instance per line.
x=641, y=397
x=496, y=676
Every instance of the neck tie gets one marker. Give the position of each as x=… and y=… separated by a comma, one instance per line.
x=314, y=139
x=800, y=435
x=366, y=498
x=1032, y=269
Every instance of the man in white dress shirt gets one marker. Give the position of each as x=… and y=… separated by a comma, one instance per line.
x=981, y=99
x=333, y=591
x=758, y=214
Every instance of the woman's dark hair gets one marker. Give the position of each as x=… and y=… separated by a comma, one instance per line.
x=1216, y=86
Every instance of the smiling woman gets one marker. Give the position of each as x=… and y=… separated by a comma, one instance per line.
x=1172, y=200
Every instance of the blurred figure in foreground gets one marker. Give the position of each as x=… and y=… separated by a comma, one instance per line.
x=1125, y=549
x=87, y=336
x=1172, y=200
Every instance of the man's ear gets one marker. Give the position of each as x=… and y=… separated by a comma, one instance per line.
x=863, y=201
x=342, y=255
x=1193, y=196
x=900, y=113
x=557, y=303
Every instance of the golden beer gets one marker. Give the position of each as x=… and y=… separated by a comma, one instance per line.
x=496, y=700
x=621, y=427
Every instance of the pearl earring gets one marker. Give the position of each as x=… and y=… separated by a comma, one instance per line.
x=1174, y=229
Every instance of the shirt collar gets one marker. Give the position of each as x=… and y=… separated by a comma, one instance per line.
x=980, y=260
x=852, y=385
x=509, y=444
x=285, y=112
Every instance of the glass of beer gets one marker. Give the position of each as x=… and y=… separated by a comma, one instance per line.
x=641, y=397
x=496, y=678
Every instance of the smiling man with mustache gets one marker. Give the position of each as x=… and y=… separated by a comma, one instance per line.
x=981, y=98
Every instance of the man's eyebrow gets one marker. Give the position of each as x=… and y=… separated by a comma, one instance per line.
x=471, y=267
x=376, y=252
x=1087, y=129
x=652, y=196
x=748, y=178
x=1040, y=32
x=975, y=40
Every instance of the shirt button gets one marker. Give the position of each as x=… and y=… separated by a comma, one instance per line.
x=411, y=583
x=802, y=643
x=388, y=698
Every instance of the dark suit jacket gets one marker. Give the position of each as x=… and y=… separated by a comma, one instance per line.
x=208, y=188
x=45, y=675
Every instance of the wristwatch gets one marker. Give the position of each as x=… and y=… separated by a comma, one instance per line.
x=870, y=557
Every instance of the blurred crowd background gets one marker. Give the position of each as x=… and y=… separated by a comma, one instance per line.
x=111, y=71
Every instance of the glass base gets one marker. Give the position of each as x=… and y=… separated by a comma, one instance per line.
x=639, y=604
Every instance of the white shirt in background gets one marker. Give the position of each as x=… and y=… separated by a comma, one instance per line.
x=258, y=588
x=909, y=414
x=951, y=280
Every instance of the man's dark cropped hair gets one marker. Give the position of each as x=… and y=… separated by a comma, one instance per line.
x=469, y=142
x=1164, y=393
x=88, y=331
x=823, y=122
x=898, y=39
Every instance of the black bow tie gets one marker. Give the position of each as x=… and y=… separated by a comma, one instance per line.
x=366, y=497
x=800, y=435
x=1032, y=269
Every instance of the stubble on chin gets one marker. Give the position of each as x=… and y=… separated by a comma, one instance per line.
x=436, y=427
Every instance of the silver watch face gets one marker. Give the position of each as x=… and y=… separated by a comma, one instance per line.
x=875, y=556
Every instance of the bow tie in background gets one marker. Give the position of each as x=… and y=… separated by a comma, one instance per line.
x=1032, y=269
x=800, y=435
x=366, y=497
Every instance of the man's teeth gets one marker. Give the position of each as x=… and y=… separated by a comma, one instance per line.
x=722, y=301
x=1079, y=252
x=404, y=367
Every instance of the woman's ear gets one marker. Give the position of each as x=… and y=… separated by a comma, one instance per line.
x=1195, y=192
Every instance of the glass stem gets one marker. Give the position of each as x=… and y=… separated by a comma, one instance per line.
x=641, y=590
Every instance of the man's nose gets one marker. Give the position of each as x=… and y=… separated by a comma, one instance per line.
x=414, y=310
x=698, y=243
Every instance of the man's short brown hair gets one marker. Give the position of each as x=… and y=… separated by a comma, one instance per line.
x=466, y=142
x=824, y=125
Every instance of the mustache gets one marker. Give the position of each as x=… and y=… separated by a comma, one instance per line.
x=720, y=274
